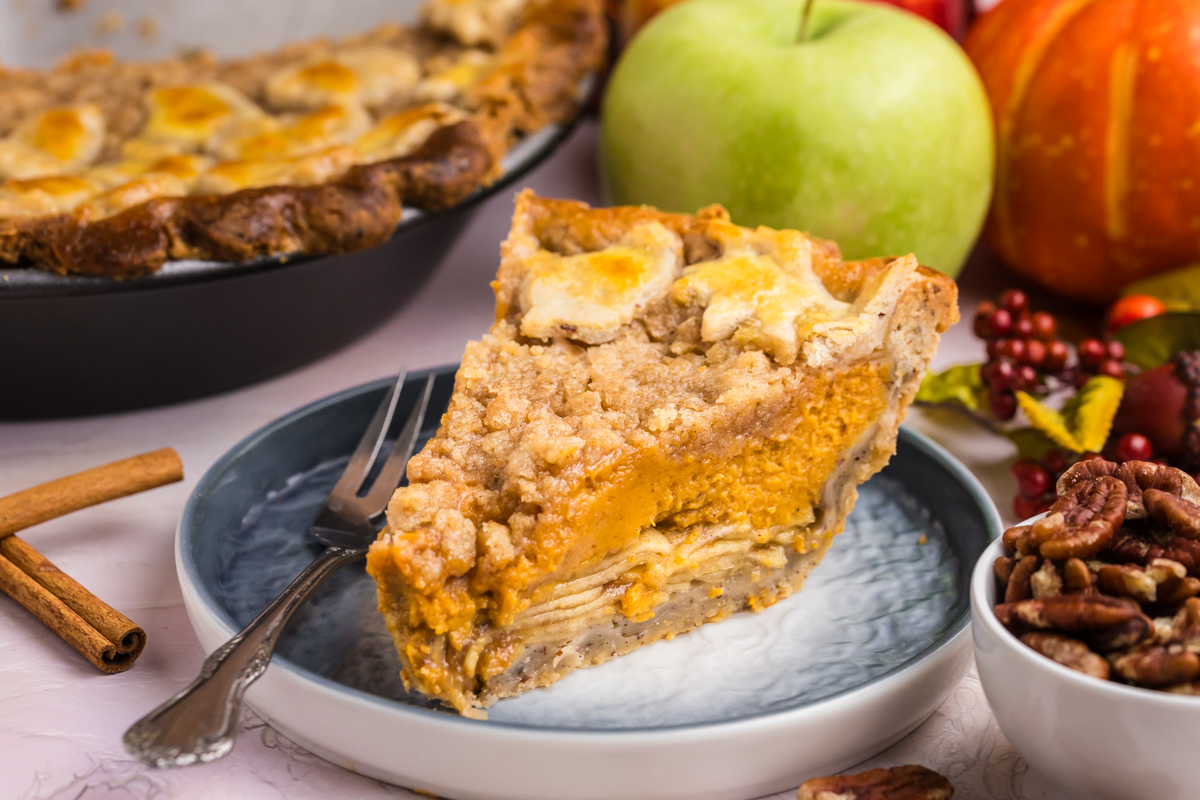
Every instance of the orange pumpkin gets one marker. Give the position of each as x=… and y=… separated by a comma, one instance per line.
x=1097, y=114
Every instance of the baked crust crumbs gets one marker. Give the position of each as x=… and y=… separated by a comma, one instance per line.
x=113, y=168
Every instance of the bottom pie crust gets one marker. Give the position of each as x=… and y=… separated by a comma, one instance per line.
x=555, y=638
x=543, y=664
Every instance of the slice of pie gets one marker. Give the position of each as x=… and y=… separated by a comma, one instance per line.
x=666, y=425
x=112, y=168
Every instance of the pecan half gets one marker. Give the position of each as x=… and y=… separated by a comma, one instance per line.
x=1081, y=523
x=1137, y=476
x=1076, y=576
x=909, y=782
x=1181, y=516
x=1069, y=652
x=1105, y=623
x=1172, y=586
x=1046, y=582
x=1167, y=574
x=1183, y=628
x=1160, y=586
x=1003, y=567
x=1184, y=688
x=1141, y=546
x=1190, y=613
x=1020, y=582
x=1012, y=536
x=1157, y=665
x=1124, y=580
x=1169, y=601
x=1024, y=540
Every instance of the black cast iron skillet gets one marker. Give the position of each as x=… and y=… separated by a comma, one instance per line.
x=73, y=346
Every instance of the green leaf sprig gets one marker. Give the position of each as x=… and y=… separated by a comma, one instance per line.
x=961, y=385
x=1086, y=419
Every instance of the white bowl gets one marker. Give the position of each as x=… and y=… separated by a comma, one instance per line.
x=1094, y=739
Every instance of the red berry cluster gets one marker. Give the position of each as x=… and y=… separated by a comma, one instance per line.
x=1131, y=447
x=1100, y=358
x=1035, y=483
x=1023, y=350
x=1036, y=479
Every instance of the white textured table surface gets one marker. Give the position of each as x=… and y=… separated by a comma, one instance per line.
x=61, y=721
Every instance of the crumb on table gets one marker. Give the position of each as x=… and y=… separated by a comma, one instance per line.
x=110, y=22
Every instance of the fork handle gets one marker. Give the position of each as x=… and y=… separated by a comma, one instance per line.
x=201, y=722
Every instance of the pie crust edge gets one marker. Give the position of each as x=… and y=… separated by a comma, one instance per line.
x=557, y=44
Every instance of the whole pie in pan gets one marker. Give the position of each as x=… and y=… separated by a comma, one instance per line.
x=666, y=425
x=113, y=168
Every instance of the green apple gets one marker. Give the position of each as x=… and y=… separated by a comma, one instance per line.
x=873, y=130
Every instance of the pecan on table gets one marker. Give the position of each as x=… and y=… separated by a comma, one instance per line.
x=1080, y=524
x=909, y=782
x=1069, y=652
x=1138, y=476
x=1105, y=623
x=1181, y=516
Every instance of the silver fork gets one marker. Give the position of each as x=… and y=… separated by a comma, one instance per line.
x=201, y=722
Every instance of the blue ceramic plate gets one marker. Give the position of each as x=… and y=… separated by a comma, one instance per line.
x=884, y=613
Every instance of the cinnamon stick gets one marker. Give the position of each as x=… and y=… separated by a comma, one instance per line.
x=52, y=611
x=118, y=479
x=103, y=635
x=69, y=609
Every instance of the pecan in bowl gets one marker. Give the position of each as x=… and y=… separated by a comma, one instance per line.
x=1104, y=573
x=1086, y=625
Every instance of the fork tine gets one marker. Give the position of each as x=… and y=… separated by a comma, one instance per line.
x=370, y=443
x=376, y=500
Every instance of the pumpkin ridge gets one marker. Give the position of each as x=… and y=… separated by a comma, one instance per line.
x=1122, y=79
x=1026, y=68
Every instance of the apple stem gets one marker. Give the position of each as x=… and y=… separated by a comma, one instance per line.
x=804, y=15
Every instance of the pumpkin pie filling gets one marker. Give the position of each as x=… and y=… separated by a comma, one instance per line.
x=666, y=425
